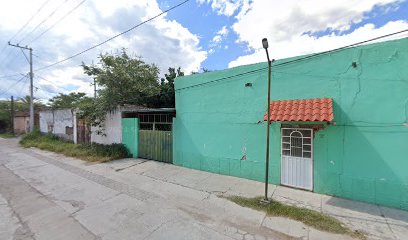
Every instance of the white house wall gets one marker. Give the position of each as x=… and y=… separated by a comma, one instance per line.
x=46, y=121
x=58, y=122
x=112, y=131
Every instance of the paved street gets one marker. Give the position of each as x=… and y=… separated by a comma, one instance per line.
x=44, y=198
x=44, y=195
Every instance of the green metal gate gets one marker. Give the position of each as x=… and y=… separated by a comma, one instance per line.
x=155, y=137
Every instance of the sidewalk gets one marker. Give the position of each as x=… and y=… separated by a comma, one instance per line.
x=378, y=222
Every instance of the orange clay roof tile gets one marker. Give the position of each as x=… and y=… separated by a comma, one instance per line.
x=310, y=110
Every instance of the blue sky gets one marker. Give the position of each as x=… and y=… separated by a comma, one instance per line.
x=202, y=20
x=211, y=34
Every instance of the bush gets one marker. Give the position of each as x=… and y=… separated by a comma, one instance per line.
x=89, y=152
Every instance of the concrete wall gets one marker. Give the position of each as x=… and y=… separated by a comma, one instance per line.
x=46, y=121
x=362, y=157
x=58, y=122
x=112, y=129
x=21, y=124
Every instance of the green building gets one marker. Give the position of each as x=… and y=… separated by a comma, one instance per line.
x=348, y=137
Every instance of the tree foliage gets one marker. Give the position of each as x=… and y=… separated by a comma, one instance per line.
x=5, y=111
x=121, y=79
x=72, y=100
x=165, y=98
x=25, y=104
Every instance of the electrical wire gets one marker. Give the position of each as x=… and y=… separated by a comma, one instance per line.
x=8, y=76
x=25, y=25
x=23, y=86
x=44, y=20
x=13, y=85
x=58, y=21
x=300, y=59
x=115, y=36
x=48, y=81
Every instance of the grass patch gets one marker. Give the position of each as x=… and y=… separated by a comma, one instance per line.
x=309, y=217
x=7, y=135
x=89, y=152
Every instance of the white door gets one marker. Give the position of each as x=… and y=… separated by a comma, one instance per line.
x=297, y=158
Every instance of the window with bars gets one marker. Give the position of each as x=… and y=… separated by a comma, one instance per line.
x=156, y=121
x=297, y=142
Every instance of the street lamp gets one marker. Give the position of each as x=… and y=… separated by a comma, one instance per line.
x=265, y=46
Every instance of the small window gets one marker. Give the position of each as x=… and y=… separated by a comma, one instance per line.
x=69, y=130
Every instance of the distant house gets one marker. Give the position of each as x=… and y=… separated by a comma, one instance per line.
x=21, y=122
x=111, y=130
x=59, y=122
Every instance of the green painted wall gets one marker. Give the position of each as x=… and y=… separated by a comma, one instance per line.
x=362, y=157
x=130, y=135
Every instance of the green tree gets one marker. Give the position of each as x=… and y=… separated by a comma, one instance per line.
x=5, y=113
x=25, y=103
x=202, y=70
x=165, y=98
x=71, y=100
x=122, y=79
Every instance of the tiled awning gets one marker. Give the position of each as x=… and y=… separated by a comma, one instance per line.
x=306, y=110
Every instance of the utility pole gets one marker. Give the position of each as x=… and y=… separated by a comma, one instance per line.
x=94, y=87
x=12, y=114
x=265, y=45
x=31, y=83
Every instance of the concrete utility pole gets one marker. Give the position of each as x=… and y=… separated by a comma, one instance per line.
x=12, y=114
x=31, y=83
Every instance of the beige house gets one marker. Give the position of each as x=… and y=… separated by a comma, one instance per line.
x=21, y=122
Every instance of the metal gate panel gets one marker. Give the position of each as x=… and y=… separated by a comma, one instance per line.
x=297, y=158
x=156, y=145
x=155, y=136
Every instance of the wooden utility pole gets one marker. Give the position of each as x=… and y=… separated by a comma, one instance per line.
x=12, y=114
x=31, y=83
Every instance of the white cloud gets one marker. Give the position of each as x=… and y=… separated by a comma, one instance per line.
x=299, y=45
x=223, y=31
x=161, y=41
x=218, y=38
x=285, y=23
x=224, y=7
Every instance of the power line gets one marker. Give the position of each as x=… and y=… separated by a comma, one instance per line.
x=298, y=59
x=12, y=85
x=49, y=81
x=9, y=76
x=341, y=48
x=29, y=20
x=111, y=38
x=44, y=20
x=58, y=21
x=23, y=86
x=25, y=25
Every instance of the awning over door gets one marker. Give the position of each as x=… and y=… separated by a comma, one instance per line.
x=306, y=110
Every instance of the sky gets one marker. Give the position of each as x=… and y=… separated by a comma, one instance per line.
x=209, y=34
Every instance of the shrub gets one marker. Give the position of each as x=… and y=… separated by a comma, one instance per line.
x=89, y=152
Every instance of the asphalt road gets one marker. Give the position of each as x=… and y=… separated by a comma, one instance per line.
x=46, y=196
